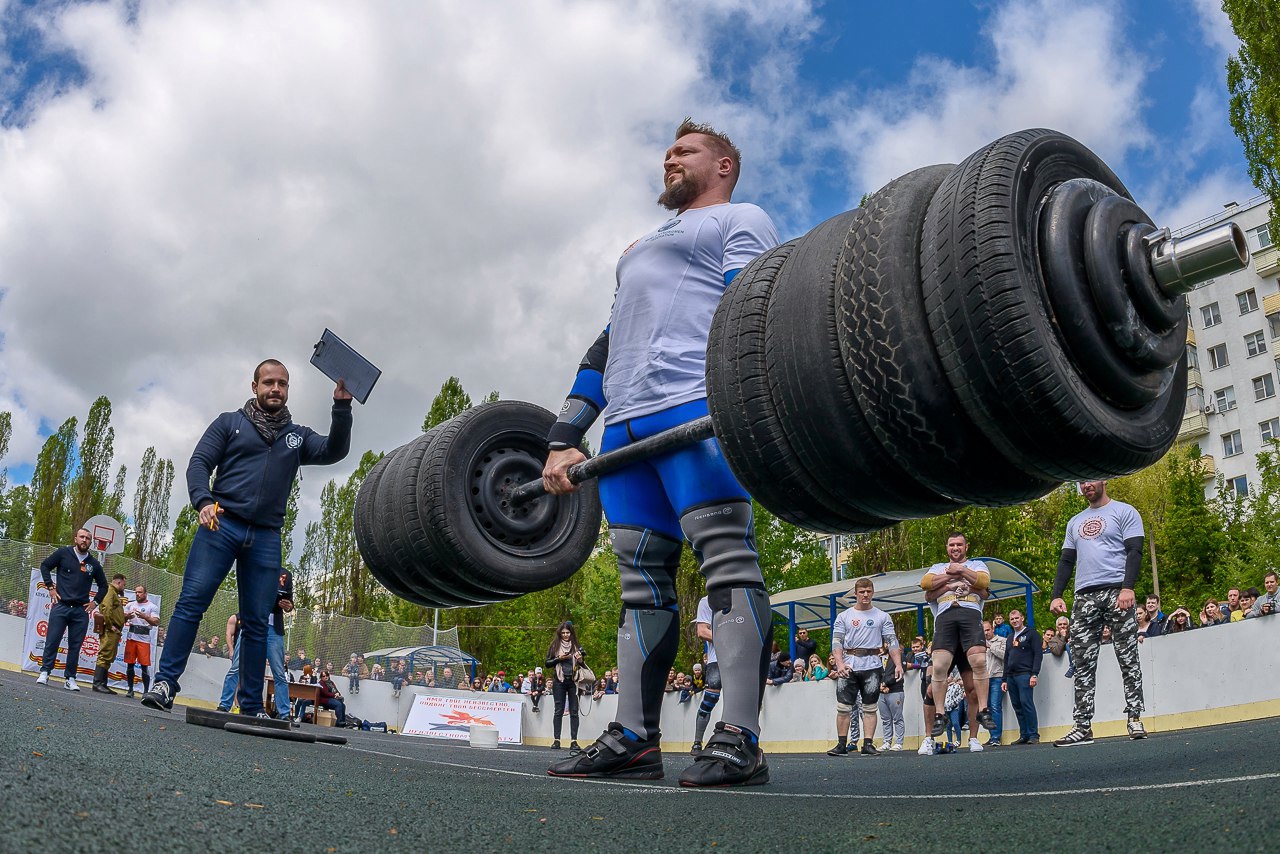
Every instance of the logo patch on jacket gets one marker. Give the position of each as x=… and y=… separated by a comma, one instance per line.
x=293, y=440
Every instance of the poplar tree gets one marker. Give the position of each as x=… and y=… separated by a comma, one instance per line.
x=49, y=484
x=451, y=400
x=151, y=505
x=1255, y=94
x=89, y=488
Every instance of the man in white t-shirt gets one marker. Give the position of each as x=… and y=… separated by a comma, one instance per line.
x=144, y=615
x=710, y=673
x=856, y=640
x=1103, y=544
x=955, y=591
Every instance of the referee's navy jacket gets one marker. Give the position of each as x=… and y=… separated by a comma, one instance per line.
x=1026, y=656
x=73, y=577
x=254, y=478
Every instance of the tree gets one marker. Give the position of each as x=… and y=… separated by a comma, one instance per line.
x=6, y=431
x=450, y=401
x=17, y=516
x=290, y=521
x=49, y=484
x=89, y=488
x=151, y=505
x=184, y=533
x=1192, y=541
x=1255, y=94
x=115, y=501
x=331, y=560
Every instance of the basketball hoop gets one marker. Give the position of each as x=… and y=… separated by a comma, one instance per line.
x=106, y=534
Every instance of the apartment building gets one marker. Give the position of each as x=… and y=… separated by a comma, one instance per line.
x=1233, y=353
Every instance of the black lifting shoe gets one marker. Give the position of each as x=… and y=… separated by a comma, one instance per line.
x=731, y=758
x=615, y=756
x=160, y=697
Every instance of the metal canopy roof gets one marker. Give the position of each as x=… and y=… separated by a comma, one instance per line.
x=422, y=655
x=817, y=607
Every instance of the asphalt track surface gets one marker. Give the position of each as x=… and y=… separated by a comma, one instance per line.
x=83, y=772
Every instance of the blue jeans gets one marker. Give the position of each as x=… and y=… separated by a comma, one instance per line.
x=995, y=702
x=1024, y=704
x=256, y=553
x=275, y=658
x=74, y=621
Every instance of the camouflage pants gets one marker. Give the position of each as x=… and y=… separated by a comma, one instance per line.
x=1090, y=613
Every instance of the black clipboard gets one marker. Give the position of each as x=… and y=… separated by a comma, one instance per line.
x=337, y=361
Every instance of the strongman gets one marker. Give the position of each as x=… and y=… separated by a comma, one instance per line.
x=1103, y=544
x=856, y=639
x=646, y=372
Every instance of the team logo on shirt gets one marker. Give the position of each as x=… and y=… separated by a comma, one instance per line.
x=293, y=440
x=1091, y=529
x=669, y=225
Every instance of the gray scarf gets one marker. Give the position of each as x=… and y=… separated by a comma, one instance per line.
x=268, y=425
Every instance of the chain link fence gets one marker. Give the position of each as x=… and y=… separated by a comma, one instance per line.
x=327, y=639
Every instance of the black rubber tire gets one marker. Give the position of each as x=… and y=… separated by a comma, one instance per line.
x=827, y=430
x=894, y=367
x=282, y=734
x=1160, y=312
x=1065, y=263
x=995, y=331
x=380, y=565
x=216, y=720
x=507, y=439
x=412, y=546
x=751, y=435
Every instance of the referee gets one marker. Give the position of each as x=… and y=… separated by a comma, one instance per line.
x=68, y=574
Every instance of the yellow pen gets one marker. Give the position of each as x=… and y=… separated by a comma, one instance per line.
x=213, y=523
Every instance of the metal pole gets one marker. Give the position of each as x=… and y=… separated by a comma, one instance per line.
x=835, y=558
x=791, y=628
x=1031, y=617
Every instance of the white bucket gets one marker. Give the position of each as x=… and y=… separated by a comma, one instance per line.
x=484, y=736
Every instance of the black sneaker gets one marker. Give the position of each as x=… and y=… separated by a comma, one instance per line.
x=160, y=697
x=1078, y=735
x=987, y=720
x=696, y=749
x=869, y=749
x=939, y=725
x=555, y=745
x=222, y=709
x=574, y=748
x=731, y=759
x=615, y=756
x=838, y=750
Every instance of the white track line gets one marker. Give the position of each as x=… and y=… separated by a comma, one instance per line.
x=675, y=790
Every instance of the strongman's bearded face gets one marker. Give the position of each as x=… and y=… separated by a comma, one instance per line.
x=271, y=388
x=686, y=171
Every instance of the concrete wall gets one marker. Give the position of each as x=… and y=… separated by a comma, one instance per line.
x=1202, y=677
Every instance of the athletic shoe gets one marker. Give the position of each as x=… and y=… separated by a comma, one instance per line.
x=1136, y=729
x=263, y=715
x=1022, y=739
x=130, y=694
x=884, y=745
x=1078, y=735
x=926, y=747
x=574, y=749
x=222, y=709
x=160, y=697
x=696, y=749
x=555, y=745
x=939, y=725
x=43, y=678
x=71, y=685
x=991, y=742
x=838, y=750
x=1035, y=739
x=896, y=747
x=869, y=749
x=987, y=720
x=732, y=758
x=975, y=746
x=616, y=756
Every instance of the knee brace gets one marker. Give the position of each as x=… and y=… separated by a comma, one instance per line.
x=741, y=624
x=709, y=700
x=648, y=640
x=978, y=662
x=844, y=708
x=724, y=541
x=647, y=564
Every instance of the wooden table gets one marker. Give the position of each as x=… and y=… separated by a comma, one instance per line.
x=297, y=691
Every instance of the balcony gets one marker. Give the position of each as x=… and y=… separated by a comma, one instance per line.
x=1194, y=425
x=1208, y=470
x=1275, y=349
x=1271, y=304
x=1191, y=335
x=1194, y=380
x=1267, y=262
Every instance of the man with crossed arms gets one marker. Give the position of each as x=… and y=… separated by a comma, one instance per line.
x=856, y=639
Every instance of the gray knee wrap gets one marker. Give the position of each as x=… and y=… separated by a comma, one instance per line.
x=647, y=564
x=741, y=625
x=648, y=639
x=724, y=540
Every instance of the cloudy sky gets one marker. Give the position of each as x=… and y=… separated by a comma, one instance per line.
x=190, y=187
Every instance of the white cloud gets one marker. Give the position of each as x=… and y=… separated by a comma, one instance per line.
x=447, y=186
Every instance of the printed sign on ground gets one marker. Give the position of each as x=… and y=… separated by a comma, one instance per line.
x=450, y=716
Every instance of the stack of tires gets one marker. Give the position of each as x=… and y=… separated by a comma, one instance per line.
x=434, y=526
x=974, y=334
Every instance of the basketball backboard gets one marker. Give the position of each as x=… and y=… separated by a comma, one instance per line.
x=106, y=535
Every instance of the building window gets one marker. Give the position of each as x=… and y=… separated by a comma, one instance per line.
x=1193, y=359
x=1210, y=315
x=1225, y=398
x=1274, y=323
x=1260, y=237
x=1248, y=301
x=1255, y=343
x=1240, y=486
x=1269, y=429
x=1195, y=399
x=1231, y=444
x=1218, y=357
x=1263, y=387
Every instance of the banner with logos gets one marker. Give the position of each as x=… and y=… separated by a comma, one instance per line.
x=37, y=626
x=450, y=716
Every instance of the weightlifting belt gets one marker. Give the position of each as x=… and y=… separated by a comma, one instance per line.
x=139, y=630
x=862, y=651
